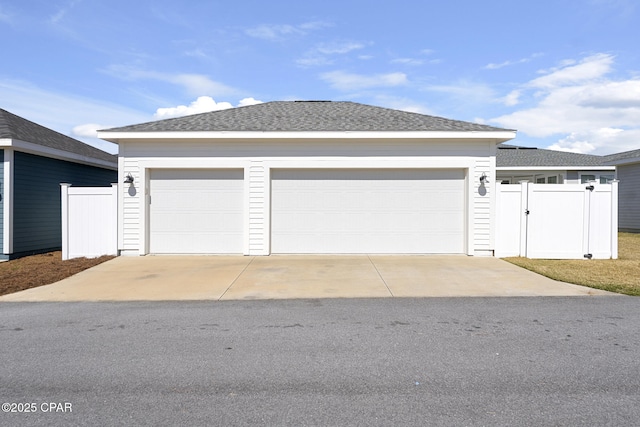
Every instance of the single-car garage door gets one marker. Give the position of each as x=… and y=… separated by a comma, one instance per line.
x=368, y=211
x=196, y=211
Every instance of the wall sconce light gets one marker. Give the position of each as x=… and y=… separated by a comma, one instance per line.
x=129, y=179
x=484, y=179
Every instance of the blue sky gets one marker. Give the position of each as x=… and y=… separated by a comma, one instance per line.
x=564, y=73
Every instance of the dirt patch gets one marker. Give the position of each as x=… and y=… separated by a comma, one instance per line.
x=44, y=269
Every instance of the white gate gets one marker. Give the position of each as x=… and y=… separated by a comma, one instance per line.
x=89, y=221
x=557, y=221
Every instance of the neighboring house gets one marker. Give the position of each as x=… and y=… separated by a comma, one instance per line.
x=307, y=177
x=540, y=166
x=628, y=172
x=34, y=161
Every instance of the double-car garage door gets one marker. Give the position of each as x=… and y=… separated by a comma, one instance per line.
x=312, y=211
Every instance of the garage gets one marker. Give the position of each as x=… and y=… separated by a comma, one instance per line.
x=307, y=177
x=411, y=211
x=196, y=211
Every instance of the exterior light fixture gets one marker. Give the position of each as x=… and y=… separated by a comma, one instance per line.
x=129, y=179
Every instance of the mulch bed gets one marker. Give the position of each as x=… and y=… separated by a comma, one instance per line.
x=43, y=269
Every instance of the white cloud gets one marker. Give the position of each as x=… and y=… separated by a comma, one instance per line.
x=197, y=83
x=582, y=106
x=203, y=104
x=407, y=61
x=279, y=32
x=512, y=98
x=88, y=130
x=44, y=107
x=589, y=68
x=248, y=101
x=315, y=25
x=272, y=32
x=401, y=103
x=194, y=84
x=320, y=54
x=315, y=61
x=465, y=91
x=599, y=141
x=338, y=48
x=62, y=12
x=347, y=81
x=493, y=66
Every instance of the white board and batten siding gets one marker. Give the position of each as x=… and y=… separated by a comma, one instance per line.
x=262, y=163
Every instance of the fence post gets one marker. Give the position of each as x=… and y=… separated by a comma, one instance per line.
x=614, y=219
x=114, y=209
x=524, y=217
x=64, y=191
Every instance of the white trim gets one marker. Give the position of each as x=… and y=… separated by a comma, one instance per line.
x=266, y=250
x=120, y=202
x=41, y=150
x=470, y=210
x=144, y=211
x=497, y=137
x=64, y=208
x=7, y=240
x=173, y=163
x=445, y=162
x=492, y=196
x=246, y=195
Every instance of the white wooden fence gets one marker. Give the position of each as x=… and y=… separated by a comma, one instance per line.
x=89, y=221
x=557, y=221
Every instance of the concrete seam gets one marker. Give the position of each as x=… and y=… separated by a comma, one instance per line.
x=236, y=279
x=380, y=275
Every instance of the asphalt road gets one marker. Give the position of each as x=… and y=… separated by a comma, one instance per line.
x=439, y=361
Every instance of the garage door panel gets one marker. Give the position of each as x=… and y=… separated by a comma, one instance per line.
x=196, y=211
x=368, y=211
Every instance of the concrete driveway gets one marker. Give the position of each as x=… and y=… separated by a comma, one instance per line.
x=158, y=278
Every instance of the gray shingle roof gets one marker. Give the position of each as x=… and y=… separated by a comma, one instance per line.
x=627, y=155
x=512, y=156
x=16, y=127
x=307, y=116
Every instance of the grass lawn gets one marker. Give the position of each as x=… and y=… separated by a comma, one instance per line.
x=44, y=269
x=620, y=275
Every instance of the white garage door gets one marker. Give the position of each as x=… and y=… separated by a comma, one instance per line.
x=196, y=211
x=368, y=211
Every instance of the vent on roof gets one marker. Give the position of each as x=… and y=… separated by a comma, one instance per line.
x=512, y=147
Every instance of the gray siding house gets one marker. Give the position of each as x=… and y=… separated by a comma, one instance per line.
x=34, y=160
x=628, y=172
x=537, y=165
x=515, y=164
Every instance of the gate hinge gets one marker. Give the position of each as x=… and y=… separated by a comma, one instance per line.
x=526, y=211
x=590, y=187
x=588, y=256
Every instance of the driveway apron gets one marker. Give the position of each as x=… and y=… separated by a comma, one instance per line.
x=167, y=278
